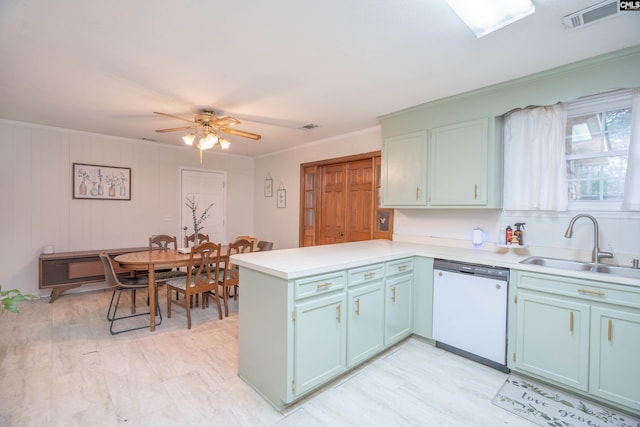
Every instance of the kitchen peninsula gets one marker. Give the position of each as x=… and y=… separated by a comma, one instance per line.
x=310, y=314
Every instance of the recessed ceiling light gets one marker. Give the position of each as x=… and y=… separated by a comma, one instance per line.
x=486, y=16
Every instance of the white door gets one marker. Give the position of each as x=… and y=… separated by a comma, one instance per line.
x=205, y=187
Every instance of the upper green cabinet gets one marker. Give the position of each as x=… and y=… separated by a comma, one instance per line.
x=454, y=166
x=458, y=164
x=404, y=170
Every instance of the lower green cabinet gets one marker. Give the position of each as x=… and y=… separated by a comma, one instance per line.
x=365, y=322
x=579, y=333
x=553, y=339
x=615, y=355
x=398, y=308
x=320, y=332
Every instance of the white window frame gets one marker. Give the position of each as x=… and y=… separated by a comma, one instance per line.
x=594, y=104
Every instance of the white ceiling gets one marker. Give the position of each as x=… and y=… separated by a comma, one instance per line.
x=104, y=67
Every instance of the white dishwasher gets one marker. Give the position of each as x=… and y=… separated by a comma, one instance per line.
x=470, y=311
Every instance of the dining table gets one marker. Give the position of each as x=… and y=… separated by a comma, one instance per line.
x=158, y=259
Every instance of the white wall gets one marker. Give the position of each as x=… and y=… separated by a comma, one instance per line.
x=544, y=231
x=280, y=225
x=37, y=208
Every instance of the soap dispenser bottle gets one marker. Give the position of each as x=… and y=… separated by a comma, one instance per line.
x=508, y=235
x=518, y=232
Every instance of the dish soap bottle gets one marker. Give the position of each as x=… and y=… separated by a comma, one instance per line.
x=518, y=232
x=508, y=235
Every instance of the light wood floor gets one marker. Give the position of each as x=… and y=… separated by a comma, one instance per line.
x=59, y=366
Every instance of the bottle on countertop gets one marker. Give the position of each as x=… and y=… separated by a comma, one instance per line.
x=508, y=235
x=518, y=233
x=502, y=237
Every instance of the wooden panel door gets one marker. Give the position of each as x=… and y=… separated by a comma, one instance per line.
x=333, y=204
x=359, y=214
x=339, y=201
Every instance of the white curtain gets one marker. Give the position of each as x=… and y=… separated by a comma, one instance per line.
x=535, y=169
x=631, y=200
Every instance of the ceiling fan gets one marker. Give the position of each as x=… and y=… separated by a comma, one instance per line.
x=206, y=125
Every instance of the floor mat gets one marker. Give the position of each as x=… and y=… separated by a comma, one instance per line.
x=547, y=406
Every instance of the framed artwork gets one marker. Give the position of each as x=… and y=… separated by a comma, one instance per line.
x=282, y=198
x=101, y=182
x=268, y=186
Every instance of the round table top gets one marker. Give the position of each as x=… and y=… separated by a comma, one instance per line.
x=157, y=258
x=168, y=258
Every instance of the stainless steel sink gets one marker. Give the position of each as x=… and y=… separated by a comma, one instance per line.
x=618, y=270
x=567, y=264
x=562, y=264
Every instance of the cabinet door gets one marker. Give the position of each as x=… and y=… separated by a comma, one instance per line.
x=615, y=348
x=553, y=339
x=458, y=164
x=319, y=341
x=404, y=170
x=398, y=308
x=366, y=326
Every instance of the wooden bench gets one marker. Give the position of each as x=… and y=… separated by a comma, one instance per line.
x=66, y=270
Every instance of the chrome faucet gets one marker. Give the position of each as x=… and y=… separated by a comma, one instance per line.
x=596, y=254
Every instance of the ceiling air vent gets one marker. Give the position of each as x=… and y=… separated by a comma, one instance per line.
x=309, y=126
x=592, y=14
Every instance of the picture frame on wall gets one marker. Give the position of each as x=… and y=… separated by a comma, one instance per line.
x=268, y=186
x=101, y=182
x=282, y=198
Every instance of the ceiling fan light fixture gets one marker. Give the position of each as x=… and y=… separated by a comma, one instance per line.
x=189, y=138
x=212, y=139
x=224, y=144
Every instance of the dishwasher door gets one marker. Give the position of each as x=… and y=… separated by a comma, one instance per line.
x=470, y=314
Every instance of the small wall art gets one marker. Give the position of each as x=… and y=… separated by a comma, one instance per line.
x=101, y=182
x=268, y=186
x=281, y=196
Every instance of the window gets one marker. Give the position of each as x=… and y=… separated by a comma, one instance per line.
x=597, y=141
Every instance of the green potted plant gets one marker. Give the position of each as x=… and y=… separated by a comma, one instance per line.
x=10, y=299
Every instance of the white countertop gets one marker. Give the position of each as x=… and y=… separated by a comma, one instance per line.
x=301, y=262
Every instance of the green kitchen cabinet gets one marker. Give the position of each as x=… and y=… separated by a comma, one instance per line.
x=320, y=334
x=423, y=297
x=404, y=170
x=398, y=300
x=553, y=339
x=365, y=322
x=615, y=352
x=458, y=162
x=579, y=333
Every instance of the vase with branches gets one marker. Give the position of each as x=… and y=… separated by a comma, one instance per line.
x=197, y=220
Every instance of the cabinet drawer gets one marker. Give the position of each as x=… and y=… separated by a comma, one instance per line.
x=316, y=285
x=366, y=274
x=404, y=265
x=610, y=293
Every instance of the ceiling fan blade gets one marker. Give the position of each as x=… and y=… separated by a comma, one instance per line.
x=175, y=129
x=173, y=117
x=225, y=121
x=241, y=133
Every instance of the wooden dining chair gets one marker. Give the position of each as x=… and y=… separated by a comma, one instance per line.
x=230, y=277
x=265, y=246
x=120, y=285
x=162, y=242
x=204, y=265
x=191, y=239
x=253, y=240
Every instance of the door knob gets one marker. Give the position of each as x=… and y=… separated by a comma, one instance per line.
x=341, y=234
